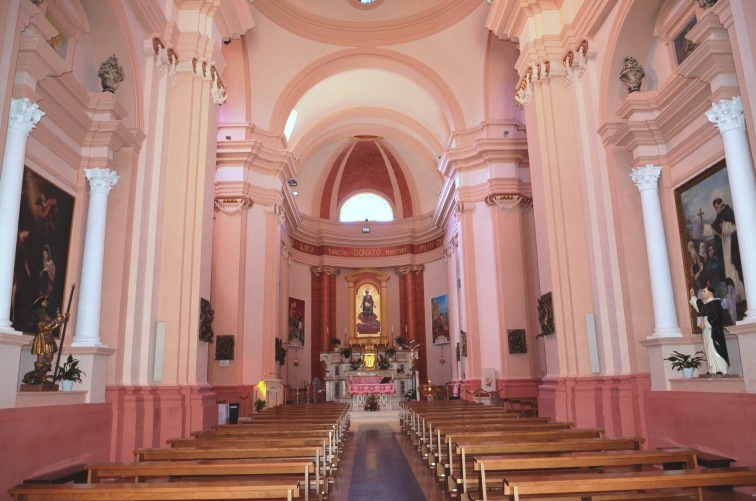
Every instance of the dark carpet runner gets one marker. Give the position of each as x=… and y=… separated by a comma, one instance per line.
x=380, y=471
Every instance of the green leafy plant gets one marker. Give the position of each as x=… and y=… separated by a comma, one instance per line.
x=280, y=352
x=682, y=361
x=70, y=371
x=346, y=353
x=410, y=395
x=399, y=341
x=260, y=405
x=335, y=342
x=371, y=403
x=390, y=352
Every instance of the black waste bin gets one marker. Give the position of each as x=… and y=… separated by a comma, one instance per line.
x=233, y=413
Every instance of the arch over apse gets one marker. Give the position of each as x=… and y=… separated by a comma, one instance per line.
x=381, y=59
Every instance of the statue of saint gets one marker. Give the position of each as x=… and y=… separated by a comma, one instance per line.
x=43, y=344
x=710, y=321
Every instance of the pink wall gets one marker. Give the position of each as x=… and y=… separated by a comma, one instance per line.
x=718, y=423
x=37, y=440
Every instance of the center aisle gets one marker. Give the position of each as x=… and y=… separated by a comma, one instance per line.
x=379, y=464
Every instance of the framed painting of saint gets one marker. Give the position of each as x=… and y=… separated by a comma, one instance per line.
x=368, y=310
x=440, y=319
x=709, y=238
x=296, y=322
x=44, y=235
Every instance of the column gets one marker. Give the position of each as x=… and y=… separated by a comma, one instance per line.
x=24, y=116
x=728, y=116
x=101, y=181
x=665, y=315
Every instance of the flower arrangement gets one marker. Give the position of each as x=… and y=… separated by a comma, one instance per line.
x=355, y=363
x=383, y=363
x=371, y=403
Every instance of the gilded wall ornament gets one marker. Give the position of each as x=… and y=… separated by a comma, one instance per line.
x=632, y=74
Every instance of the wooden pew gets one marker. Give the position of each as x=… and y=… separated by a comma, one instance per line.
x=236, y=489
x=523, y=486
x=435, y=447
x=463, y=450
x=297, y=469
x=189, y=454
x=493, y=469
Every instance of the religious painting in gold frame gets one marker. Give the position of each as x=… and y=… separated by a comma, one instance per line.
x=368, y=307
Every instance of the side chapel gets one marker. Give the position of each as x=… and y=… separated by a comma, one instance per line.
x=495, y=197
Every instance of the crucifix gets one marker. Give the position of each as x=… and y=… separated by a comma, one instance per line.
x=700, y=216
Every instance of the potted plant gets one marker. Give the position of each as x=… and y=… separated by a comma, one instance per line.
x=346, y=353
x=399, y=341
x=69, y=373
x=335, y=344
x=260, y=405
x=390, y=352
x=686, y=363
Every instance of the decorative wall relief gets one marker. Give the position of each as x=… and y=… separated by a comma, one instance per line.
x=111, y=74
x=546, y=314
x=206, y=321
x=516, y=340
x=224, y=348
x=632, y=74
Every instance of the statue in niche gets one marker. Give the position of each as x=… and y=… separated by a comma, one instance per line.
x=111, y=74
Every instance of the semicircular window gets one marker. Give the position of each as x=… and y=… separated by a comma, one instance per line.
x=366, y=207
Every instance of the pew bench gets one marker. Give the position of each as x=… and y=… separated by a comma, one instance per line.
x=459, y=464
x=644, y=483
x=194, y=490
x=492, y=470
x=275, y=469
x=267, y=453
x=76, y=473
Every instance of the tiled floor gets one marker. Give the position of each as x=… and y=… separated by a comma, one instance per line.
x=380, y=464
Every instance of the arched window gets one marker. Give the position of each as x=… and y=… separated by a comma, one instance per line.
x=366, y=206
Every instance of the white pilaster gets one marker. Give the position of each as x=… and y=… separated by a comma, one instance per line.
x=24, y=116
x=646, y=179
x=728, y=116
x=101, y=181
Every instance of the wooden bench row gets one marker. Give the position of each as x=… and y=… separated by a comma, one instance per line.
x=266, y=467
x=479, y=455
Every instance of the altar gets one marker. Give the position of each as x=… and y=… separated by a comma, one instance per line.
x=340, y=372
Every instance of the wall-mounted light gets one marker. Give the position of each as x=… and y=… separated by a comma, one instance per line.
x=295, y=193
x=232, y=205
x=292, y=182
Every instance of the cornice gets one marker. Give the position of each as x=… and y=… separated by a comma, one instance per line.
x=150, y=15
x=507, y=18
x=667, y=111
x=234, y=18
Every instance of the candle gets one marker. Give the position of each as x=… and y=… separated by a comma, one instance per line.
x=405, y=328
x=328, y=333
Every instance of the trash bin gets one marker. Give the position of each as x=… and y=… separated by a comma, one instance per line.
x=233, y=413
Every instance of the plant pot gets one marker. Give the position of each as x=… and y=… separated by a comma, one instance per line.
x=66, y=385
x=688, y=372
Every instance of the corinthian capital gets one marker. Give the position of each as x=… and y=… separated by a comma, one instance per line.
x=24, y=115
x=403, y=270
x=101, y=180
x=727, y=114
x=646, y=178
